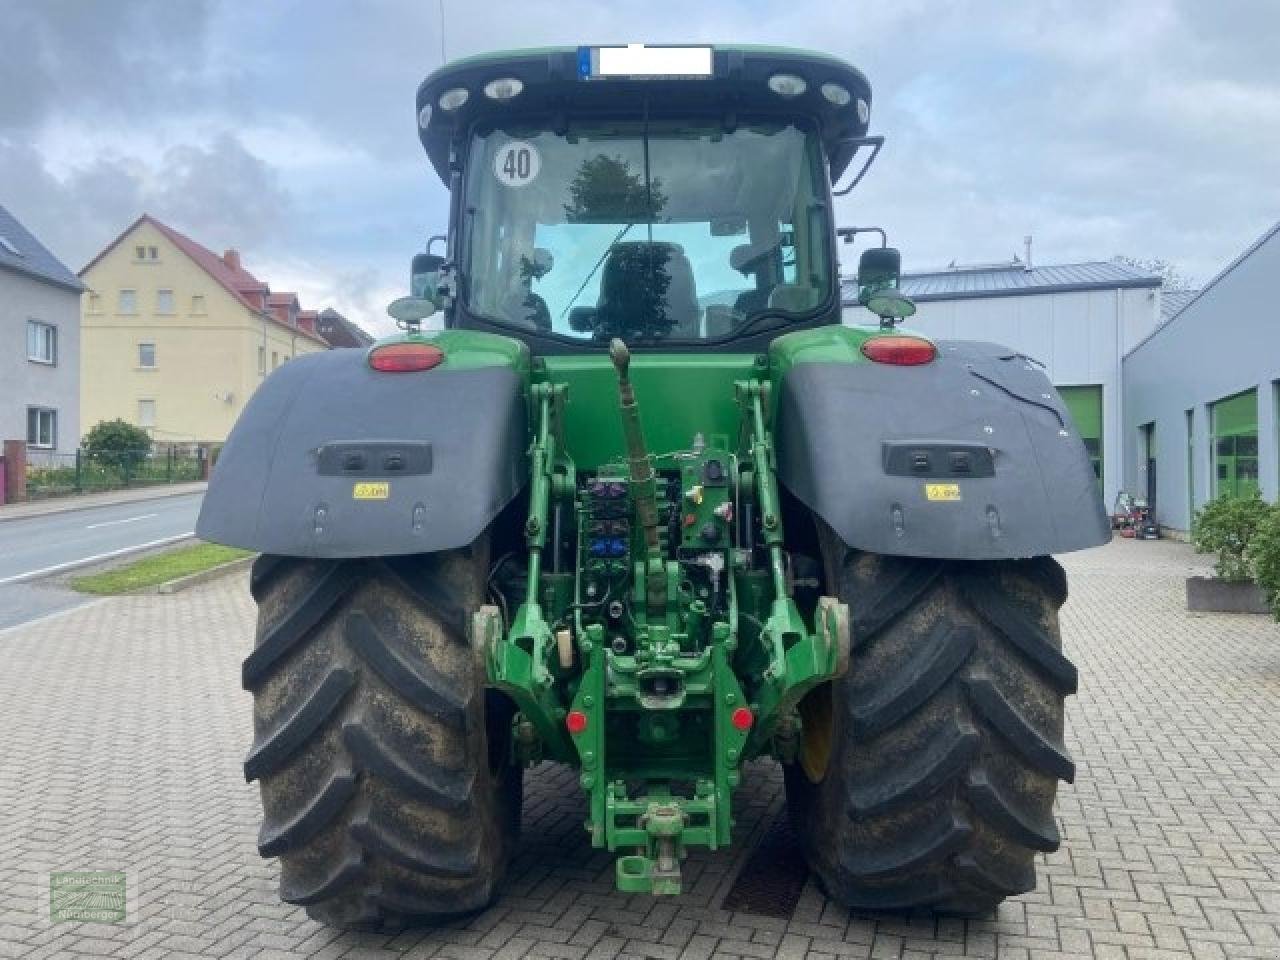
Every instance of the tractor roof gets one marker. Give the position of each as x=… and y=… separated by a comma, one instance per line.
x=618, y=83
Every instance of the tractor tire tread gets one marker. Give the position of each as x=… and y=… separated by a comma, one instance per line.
x=273, y=751
x=418, y=684
x=948, y=748
x=277, y=838
x=1018, y=732
x=371, y=744
x=945, y=652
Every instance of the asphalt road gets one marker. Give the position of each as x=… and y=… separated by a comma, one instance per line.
x=34, y=548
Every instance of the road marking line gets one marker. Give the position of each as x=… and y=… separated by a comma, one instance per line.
x=112, y=523
x=57, y=567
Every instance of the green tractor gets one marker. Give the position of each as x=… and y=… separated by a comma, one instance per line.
x=646, y=507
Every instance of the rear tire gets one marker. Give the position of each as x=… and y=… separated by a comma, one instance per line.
x=928, y=772
x=386, y=787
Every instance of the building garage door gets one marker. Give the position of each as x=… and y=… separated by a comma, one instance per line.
x=1085, y=405
x=1234, y=422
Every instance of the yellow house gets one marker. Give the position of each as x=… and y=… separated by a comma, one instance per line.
x=175, y=338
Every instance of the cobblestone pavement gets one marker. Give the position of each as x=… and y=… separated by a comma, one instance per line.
x=124, y=728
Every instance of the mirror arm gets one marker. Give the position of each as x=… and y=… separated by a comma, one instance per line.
x=848, y=233
x=875, y=143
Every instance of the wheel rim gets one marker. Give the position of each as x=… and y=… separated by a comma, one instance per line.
x=815, y=745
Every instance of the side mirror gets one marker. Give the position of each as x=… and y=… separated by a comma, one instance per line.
x=879, y=271
x=424, y=275
x=879, y=267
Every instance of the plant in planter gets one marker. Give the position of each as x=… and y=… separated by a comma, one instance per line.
x=1264, y=552
x=1227, y=526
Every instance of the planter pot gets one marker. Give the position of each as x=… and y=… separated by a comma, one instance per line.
x=1211, y=595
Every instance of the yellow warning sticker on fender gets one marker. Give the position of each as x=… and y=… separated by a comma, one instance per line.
x=371, y=491
x=942, y=491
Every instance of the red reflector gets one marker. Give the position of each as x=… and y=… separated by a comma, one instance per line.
x=742, y=719
x=576, y=721
x=405, y=357
x=900, y=350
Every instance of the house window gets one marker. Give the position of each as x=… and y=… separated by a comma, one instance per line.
x=95, y=303
x=275, y=359
x=128, y=302
x=152, y=253
x=146, y=413
x=42, y=342
x=145, y=253
x=164, y=301
x=197, y=303
x=139, y=253
x=42, y=427
x=146, y=355
x=262, y=360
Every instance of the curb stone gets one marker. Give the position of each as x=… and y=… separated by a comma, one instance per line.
x=204, y=576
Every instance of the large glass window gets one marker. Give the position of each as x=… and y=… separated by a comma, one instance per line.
x=666, y=231
x=1234, y=422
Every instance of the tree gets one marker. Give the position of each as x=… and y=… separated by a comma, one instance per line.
x=1171, y=277
x=115, y=443
x=604, y=190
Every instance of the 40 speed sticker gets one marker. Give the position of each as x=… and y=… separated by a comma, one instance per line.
x=517, y=163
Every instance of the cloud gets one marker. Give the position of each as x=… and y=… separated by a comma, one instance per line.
x=286, y=129
x=101, y=61
x=218, y=192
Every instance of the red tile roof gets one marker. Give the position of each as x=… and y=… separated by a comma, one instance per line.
x=238, y=281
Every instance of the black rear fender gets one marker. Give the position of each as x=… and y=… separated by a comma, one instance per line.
x=333, y=459
x=973, y=456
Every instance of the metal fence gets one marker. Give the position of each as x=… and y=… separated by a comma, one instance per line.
x=64, y=474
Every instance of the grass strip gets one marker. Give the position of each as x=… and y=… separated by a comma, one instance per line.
x=157, y=569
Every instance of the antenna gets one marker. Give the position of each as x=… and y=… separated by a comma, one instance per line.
x=443, y=58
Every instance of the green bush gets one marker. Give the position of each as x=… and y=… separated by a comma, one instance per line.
x=1264, y=552
x=115, y=443
x=1226, y=526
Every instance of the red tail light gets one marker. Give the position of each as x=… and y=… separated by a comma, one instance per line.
x=900, y=350
x=405, y=357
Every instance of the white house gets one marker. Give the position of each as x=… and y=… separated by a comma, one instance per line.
x=39, y=343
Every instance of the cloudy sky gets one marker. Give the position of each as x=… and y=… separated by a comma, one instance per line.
x=1149, y=128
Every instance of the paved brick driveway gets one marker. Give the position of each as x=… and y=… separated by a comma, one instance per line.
x=124, y=728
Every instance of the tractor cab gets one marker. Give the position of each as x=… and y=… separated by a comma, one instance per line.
x=674, y=197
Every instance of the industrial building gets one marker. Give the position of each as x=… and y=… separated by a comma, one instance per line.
x=1202, y=393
